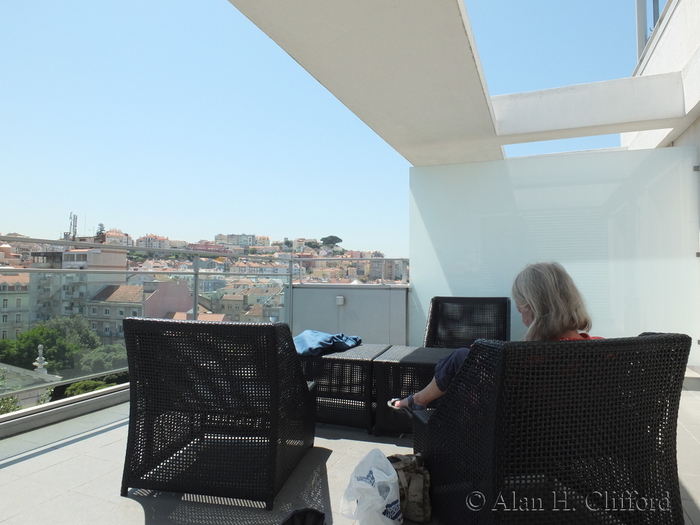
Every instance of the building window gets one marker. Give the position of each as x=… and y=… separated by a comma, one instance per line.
x=120, y=329
x=106, y=312
x=18, y=287
x=19, y=303
x=4, y=318
x=134, y=313
x=107, y=331
x=121, y=312
x=4, y=334
x=16, y=333
x=18, y=318
x=4, y=303
x=3, y=287
x=94, y=327
x=94, y=310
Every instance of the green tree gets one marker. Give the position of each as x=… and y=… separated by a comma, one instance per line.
x=62, y=338
x=253, y=251
x=288, y=243
x=103, y=359
x=10, y=403
x=331, y=240
x=82, y=387
x=76, y=330
x=312, y=244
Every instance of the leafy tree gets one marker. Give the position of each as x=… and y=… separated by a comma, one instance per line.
x=76, y=330
x=24, y=350
x=253, y=251
x=82, y=387
x=11, y=403
x=62, y=338
x=331, y=240
x=103, y=358
x=288, y=243
x=339, y=251
x=312, y=244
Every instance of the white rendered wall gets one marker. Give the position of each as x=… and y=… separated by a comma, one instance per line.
x=377, y=313
x=674, y=46
x=625, y=224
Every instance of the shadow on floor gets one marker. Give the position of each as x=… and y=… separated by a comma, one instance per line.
x=332, y=432
x=307, y=487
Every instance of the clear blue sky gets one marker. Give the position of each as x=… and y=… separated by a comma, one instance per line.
x=180, y=118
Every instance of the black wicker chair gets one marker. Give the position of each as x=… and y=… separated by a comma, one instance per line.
x=527, y=432
x=456, y=322
x=219, y=409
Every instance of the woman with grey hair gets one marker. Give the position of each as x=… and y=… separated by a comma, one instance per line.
x=550, y=306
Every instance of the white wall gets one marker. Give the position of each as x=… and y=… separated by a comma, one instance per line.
x=674, y=46
x=377, y=313
x=623, y=223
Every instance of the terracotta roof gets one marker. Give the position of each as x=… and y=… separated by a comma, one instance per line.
x=11, y=280
x=257, y=309
x=184, y=316
x=114, y=293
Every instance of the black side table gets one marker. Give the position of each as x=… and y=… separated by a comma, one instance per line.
x=345, y=386
x=398, y=372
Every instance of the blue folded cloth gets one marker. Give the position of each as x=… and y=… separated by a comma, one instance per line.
x=312, y=342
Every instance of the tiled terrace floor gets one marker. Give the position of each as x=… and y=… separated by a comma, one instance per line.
x=70, y=472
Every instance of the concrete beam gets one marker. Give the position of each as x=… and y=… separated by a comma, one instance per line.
x=407, y=68
x=614, y=106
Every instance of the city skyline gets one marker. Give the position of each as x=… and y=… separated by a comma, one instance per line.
x=188, y=118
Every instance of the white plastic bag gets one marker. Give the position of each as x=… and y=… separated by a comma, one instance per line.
x=372, y=496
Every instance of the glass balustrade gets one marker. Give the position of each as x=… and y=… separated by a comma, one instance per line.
x=62, y=304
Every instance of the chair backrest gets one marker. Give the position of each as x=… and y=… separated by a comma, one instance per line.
x=219, y=366
x=585, y=418
x=455, y=322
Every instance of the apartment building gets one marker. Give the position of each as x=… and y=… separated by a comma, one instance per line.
x=153, y=242
x=115, y=236
x=106, y=310
x=14, y=305
x=54, y=294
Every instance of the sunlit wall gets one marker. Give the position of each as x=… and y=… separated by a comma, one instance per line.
x=625, y=224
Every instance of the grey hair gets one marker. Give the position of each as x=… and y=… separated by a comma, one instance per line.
x=553, y=299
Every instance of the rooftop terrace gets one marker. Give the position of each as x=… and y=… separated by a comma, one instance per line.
x=70, y=472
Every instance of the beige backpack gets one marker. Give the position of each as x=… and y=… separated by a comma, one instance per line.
x=414, y=486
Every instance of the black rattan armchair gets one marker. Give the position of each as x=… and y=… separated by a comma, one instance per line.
x=528, y=431
x=455, y=322
x=220, y=409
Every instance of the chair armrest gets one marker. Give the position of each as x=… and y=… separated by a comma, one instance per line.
x=420, y=421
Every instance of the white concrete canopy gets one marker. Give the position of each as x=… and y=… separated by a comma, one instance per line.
x=613, y=106
x=407, y=68
x=410, y=70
